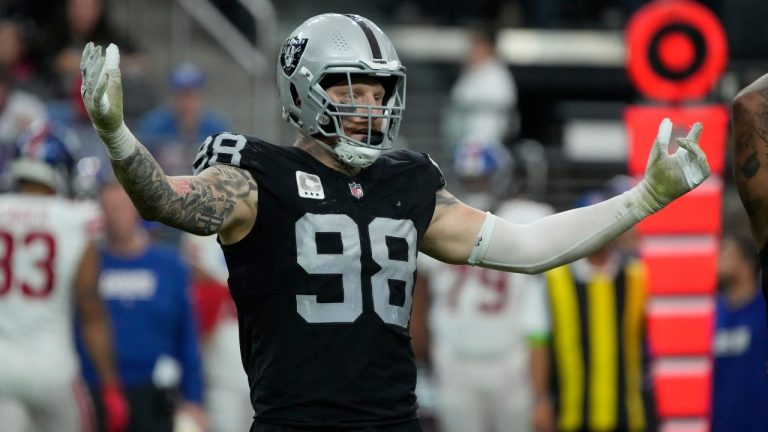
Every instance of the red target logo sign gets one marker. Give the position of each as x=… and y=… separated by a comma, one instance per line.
x=677, y=50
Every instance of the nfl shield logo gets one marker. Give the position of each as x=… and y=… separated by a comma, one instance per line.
x=356, y=189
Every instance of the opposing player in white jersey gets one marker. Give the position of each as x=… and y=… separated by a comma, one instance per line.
x=47, y=265
x=482, y=322
x=227, y=396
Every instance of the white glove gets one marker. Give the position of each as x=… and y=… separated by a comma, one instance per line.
x=670, y=176
x=102, y=94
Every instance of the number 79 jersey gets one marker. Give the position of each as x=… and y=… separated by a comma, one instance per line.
x=323, y=283
x=42, y=240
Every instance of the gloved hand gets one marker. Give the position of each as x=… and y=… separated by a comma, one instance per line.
x=102, y=89
x=102, y=93
x=670, y=176
x=116, y=410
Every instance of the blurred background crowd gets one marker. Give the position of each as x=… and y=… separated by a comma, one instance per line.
x=519, y=101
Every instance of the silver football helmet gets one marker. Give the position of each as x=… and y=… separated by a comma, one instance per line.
x=332, y=48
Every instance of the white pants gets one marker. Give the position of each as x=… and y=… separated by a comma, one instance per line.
x=482, y=394
x=229, y=410
x=227, y=398
x=45, y=407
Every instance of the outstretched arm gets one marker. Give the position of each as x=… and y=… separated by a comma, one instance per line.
x=750, y=154
x=461, y=234
x=220, y=200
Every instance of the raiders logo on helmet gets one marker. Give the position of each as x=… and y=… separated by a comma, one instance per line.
x=291, y=53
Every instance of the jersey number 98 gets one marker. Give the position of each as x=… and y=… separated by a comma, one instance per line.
x=349, y=265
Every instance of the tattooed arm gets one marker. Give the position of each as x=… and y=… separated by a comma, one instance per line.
x=221, y=199
x=750, y=154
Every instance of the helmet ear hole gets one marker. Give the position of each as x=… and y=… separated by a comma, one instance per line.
x=295, y=96
x=389, y=84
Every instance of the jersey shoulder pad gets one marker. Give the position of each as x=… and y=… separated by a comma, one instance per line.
x=226, y=148
x=407, y=159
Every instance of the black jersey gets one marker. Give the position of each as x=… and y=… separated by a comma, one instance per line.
x=323, y=283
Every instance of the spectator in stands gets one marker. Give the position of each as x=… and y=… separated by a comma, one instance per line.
x=484, y=97
x=598, y=341
x=87, y=20
x=173, y=131
x=740, y=388
x=39, y=12
x=18, y=109
x=18, y=54
x=145, y=286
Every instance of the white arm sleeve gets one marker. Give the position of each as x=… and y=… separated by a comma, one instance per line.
x=557, y=239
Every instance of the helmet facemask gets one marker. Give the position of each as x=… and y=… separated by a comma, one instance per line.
x=359, y=152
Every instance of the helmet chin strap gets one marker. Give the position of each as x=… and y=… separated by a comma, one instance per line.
x=351, y=154
x=356, y=156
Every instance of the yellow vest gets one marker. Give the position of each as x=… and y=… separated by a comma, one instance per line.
x=597, y=345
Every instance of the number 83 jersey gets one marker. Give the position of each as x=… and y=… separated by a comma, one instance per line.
x=42, y=241
x=323, y=282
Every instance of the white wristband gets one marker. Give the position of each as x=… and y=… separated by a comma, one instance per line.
x=481, y=244
x=120, y=143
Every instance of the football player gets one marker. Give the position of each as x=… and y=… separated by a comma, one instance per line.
x=321, y=237
x=487, y=328
x=750, y=136
x=48, y=264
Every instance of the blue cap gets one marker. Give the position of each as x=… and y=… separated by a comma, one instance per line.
x=186, y=75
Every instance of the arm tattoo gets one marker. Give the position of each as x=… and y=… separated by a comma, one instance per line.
x=761, y=123
x=193, y=204
x=750, y=166
x=444, y=198
x=750, y=153
x=747, y=159
x=760, y=118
